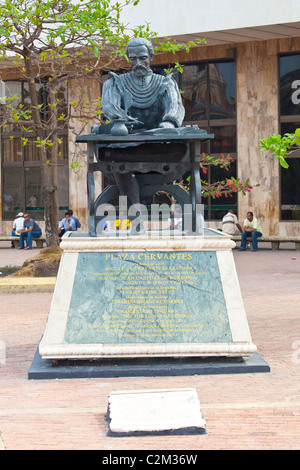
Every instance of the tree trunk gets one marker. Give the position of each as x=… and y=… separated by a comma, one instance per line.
x=48, y=168
x=50, y=195
x=50, y=204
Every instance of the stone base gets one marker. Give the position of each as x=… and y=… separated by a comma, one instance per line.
x=142, y=297
x=46, y=369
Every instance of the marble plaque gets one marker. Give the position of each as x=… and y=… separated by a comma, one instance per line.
x=147, y=297
x=158, y=297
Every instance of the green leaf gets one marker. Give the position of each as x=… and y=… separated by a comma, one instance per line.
x=297, y=132
x=283, y=162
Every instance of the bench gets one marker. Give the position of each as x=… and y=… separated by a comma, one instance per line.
x=275, y=240
x=10, y=238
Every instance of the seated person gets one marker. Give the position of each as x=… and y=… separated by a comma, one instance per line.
x=67, y=224
x=230, y=224
x=18, y=225
x=78, y=224
x=31, y=230
x=252, y=228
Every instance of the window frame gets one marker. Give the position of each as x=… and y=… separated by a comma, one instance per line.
x=27, y=164
x=286, y=119
x=207, y=125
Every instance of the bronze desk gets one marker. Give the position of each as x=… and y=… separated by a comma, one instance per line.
x=153, y=175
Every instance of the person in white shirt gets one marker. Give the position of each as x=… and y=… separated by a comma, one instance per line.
x=18, y=224
x=230, y=224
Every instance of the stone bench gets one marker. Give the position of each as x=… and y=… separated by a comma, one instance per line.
x=10, y=238
x=275, y=240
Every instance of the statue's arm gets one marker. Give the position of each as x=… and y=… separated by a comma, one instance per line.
x=111, y=100
x=172, y=103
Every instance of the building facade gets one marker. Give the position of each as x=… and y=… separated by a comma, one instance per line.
x=243, y=85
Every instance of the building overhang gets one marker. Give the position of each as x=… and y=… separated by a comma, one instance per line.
x=237, y=35
x=219, y=21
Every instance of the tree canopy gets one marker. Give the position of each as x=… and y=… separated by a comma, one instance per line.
x=50, y=42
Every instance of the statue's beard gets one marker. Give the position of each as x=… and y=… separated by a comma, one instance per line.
x=140, y=70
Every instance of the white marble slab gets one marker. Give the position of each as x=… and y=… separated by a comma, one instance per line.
x=155, y=411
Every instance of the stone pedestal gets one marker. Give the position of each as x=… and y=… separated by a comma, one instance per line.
x=146, y=296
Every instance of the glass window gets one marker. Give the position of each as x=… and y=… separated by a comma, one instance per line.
x=290, y=85
x=12, y=150
x=224, y=140
x=13, y=91
x=222, y=90
x=33, y=192
x=12, y=192
x=289, y=127
x=63, y=148
x=63, y=189
x=194, y=97
x=209, y=98
x=21, y=167
x=219, y=206
x=33, y=186
x=31, y=151
x=289, y=68
x=290, y=190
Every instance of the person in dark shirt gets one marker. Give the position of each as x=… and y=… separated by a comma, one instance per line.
x=31, y=230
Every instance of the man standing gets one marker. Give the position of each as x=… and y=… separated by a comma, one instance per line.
x=31, y=230
x=252, y=228
x=230, y=224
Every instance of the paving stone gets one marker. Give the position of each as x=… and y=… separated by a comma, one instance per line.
x=242, y=411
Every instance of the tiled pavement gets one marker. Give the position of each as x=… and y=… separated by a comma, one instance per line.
x=242, y=411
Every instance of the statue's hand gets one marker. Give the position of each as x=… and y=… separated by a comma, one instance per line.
x=133, y=123
x=166, y=124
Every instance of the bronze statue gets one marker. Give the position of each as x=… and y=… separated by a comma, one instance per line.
x=144, y=148
x=142, y=100
x=145, y=99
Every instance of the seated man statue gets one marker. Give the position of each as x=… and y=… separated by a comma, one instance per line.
x=145, y=101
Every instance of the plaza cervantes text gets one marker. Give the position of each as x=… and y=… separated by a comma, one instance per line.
x=148, y=256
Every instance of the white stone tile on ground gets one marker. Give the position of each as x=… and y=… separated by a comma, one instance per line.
x=155, y=410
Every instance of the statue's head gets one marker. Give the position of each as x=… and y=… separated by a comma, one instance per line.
x=140, y=54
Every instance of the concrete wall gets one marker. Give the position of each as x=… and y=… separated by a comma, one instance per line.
x=195, y=16
x=257, y=117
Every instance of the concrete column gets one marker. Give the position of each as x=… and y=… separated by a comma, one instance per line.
x=257, y=117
